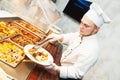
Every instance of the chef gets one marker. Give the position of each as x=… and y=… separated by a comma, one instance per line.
x=83, y=49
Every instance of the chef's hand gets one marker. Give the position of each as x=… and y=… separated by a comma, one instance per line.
x=55, y=37
x=53, y=69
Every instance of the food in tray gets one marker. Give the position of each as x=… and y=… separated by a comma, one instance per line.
x=31, y=36
x=30, y=27
x=39, y=55
x=1, y=38
x=7, y=30
x=26, y=33
x=22, y=40
x=11, y=53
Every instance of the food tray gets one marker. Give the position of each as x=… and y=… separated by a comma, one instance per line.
x=21, y=37
x=31, y=28
x=26, y=33
x=11, y=53
x=21, y=40
x=7, y=30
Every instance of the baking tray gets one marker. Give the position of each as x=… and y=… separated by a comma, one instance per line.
x=24, y=32
x=31, y=28
x=10, y=53
x=21, y=40
x=7, y=30
x=27, y=33
x=11, y=28
x=26, y=25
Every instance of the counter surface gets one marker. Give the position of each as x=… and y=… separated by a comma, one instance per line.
x=30, y=70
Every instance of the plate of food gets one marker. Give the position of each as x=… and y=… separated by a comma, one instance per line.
x=40, y=56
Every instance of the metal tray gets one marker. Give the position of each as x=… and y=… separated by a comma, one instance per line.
x=21, y=40
x=31, y=28
x=7, y=30
x=24, y=32
x=10, y=53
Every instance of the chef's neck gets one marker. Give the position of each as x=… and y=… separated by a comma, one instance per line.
x=83, y=36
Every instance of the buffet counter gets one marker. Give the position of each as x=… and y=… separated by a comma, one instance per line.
x=31, y=70
x=14, y=35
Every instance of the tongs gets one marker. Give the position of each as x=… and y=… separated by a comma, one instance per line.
x=38, y=45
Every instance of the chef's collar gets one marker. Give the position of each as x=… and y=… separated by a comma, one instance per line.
x=87, y=37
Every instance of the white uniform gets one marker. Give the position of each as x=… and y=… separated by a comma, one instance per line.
x=79, y=56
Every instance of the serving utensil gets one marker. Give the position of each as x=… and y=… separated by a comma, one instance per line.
x=38, y=45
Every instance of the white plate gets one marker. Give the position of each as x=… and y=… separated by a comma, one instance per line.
x=47, y=62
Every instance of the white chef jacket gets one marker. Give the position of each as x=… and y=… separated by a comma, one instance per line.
x=79, y=56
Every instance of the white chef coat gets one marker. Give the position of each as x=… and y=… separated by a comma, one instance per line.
x=79, y=56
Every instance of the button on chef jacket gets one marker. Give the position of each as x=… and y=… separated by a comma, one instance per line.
x=79, y=56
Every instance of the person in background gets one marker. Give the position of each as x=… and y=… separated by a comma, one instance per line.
x=83, y=48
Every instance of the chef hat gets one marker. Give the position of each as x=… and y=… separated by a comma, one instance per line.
x=96, y=14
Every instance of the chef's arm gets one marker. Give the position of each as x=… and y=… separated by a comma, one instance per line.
x=55, y=37
x=61, y=39
x=66, y=38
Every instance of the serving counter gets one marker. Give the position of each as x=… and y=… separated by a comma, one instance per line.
x=31, y=70
x=40, y=17
x=24, y=70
